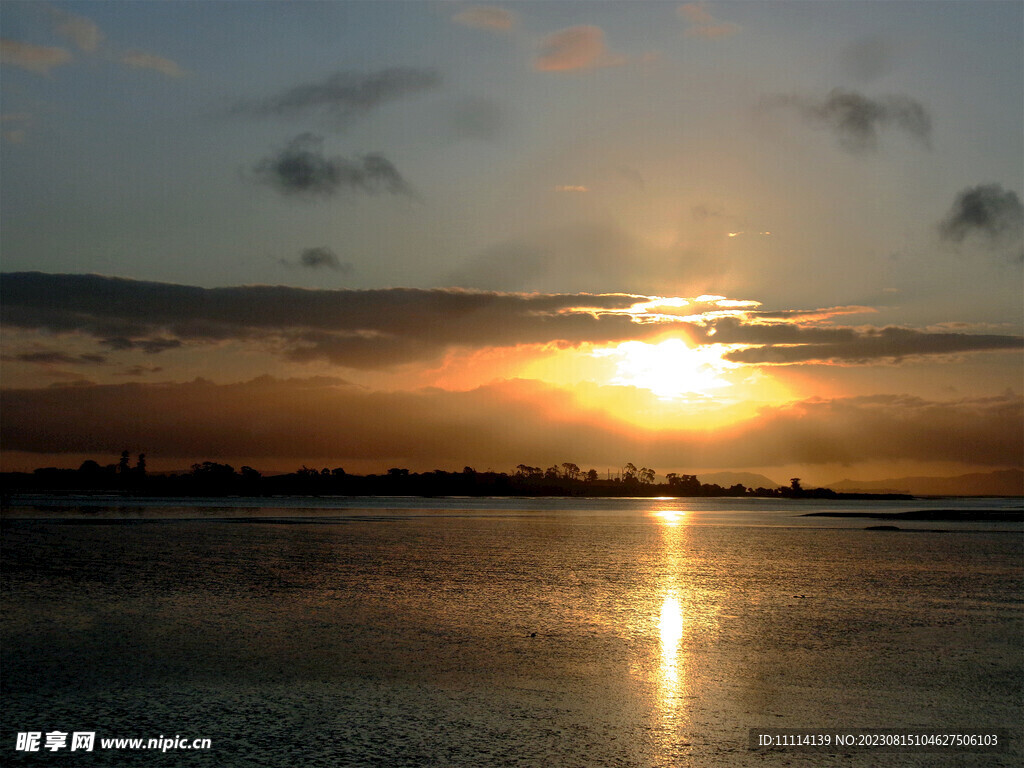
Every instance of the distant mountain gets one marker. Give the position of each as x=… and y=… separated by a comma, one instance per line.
x=1003, y=482
x=729, y=479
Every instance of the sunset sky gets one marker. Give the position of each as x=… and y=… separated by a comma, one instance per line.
x=784, y=237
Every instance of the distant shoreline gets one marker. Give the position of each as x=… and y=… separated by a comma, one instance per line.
x=935, y=515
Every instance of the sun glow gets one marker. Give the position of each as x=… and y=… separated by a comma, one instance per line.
x=670, y=369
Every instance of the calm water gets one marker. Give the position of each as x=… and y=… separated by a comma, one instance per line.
x=497, y=632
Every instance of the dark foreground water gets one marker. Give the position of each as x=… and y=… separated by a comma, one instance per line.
x=299, y=632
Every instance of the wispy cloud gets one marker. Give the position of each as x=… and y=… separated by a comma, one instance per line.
x=302, y=169
x=343, y=96
x=35, y=58
x=81, y=31
x=142, y=60
x=575, y=48
x=986, y=212
x=857, y=120
x=486, y=17
x=703, y=24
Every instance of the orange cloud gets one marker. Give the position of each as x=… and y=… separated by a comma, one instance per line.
x=703, y=24
x=34, y=58
x=575, y=48
x=486, y=17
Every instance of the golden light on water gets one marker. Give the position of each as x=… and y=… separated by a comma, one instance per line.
x=671, y=624
x=670, y=516
x=670, y=629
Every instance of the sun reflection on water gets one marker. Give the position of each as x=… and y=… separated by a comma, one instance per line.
x=670, y=629
x=672, y=587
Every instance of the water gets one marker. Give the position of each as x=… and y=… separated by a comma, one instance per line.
x=493, y=632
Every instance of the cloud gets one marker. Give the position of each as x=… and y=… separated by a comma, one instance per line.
x=371, y=328
x=53, y=357
x=343, y=96
x=703, y=24
x=34, y=58
x=386, y=327
x=575, y=48
x=142, y=60
x=319, y=258
x=988, y=212
x=152, y=346
x=81, y=31
x=782, y=343
x=302, y=169
x=139, y=370
x=486, y=17
x=856, y=120
x=267, y=419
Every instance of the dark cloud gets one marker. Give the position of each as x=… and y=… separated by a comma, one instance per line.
x=268, y=419
x=384, y=327
x=857, y=120
x=786, y=343
x=344, y=96
x=149, y=346
x=51, y=358
x=319, y=258
x=139, y=370
x=303, y=170
x=371, y=328
x=987, y=211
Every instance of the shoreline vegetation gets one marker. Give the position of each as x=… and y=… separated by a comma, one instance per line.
x=213, y=479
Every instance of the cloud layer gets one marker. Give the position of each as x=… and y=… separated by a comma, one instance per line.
x=386, y=327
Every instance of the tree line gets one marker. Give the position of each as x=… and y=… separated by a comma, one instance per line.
x=209, y=478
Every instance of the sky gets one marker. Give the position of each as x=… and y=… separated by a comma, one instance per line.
x=783, y=237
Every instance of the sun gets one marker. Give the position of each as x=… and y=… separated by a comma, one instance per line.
x=670, y=369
